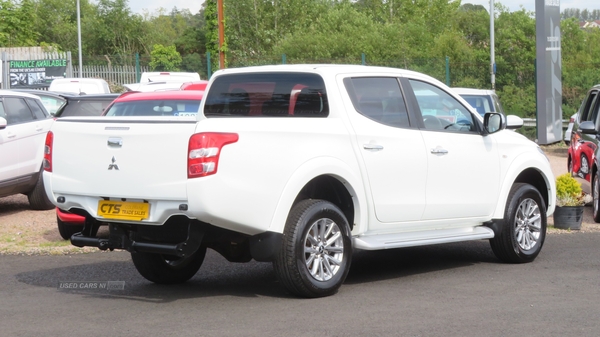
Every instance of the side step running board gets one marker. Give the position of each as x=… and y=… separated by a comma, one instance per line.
x=430, y=237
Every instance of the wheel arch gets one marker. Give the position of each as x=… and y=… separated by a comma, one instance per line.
x=323, y=178
x=529, y=169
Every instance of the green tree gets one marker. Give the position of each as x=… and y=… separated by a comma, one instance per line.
x=17, y=23
x=165, y=58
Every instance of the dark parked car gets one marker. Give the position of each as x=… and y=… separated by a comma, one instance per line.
x=583, y=154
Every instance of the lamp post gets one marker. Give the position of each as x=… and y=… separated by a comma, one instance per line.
x=220, y=18
x=492, y=57
x=79, y=39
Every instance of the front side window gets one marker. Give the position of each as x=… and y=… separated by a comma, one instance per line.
x=587, y=105
x=379, y=99
x=37, y=108
x=440, y=111
x=267, y=95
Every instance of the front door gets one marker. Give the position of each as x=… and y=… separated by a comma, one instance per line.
x=463, y=171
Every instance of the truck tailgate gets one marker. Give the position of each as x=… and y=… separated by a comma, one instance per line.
x=121, y=158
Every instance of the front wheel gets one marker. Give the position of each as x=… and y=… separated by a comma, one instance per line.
x=167, y=269
x=316, y=250
x=524, y=229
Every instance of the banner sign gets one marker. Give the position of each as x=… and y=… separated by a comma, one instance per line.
x=35, y=74
x=548, y=71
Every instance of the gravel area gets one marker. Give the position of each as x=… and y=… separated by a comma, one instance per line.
x=27, y=232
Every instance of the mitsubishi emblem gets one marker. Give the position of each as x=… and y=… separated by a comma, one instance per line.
x=113, y=165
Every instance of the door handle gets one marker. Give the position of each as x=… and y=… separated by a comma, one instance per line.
x=372, y=147
x=11, y=135
x=439, y=150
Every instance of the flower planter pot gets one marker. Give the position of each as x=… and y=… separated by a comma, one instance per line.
x=568, y=217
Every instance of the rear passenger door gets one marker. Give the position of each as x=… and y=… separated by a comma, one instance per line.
x=391, y=147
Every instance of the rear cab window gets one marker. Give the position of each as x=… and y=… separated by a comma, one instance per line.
x=285, y=94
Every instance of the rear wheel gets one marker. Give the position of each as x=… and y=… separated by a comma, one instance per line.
x=168, y=269
x=316, y=250
x=524, y=229
x=66, y=230
x=38, y=200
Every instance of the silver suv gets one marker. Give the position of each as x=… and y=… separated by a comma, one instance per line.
x=24, y=123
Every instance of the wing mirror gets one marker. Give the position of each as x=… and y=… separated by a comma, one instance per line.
x=494, y=122
x=588, y=127
x=513, y=122
x=3, y=123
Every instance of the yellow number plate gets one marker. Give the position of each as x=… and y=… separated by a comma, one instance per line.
x=112, y=209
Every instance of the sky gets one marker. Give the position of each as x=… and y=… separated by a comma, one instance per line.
x=515, y=5
x=138, y=6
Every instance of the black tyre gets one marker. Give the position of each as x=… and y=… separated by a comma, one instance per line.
x=66, y=230
x=38, y=200
x=524, y=229
x=166, y=269
x=570, y=166
x=596, y=196
x=316, y=251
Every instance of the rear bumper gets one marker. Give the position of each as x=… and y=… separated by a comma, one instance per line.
x=71, y=218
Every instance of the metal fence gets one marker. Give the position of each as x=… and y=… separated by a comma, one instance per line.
x=119, y=74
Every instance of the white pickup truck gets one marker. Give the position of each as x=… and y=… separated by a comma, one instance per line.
x=301, y=165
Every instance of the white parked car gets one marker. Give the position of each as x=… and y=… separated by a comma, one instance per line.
x=483, y=100
x=161, y=81
x=569, y=131
x=24, y=123
x=80, y=85
x=169, y=76
x=300, y=165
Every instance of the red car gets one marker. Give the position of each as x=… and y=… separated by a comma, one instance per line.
x=159, y=103
x=581, y=157
x=196, y=85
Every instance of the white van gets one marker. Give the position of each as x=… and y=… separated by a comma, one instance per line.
x=166, y=76
x=80, y=85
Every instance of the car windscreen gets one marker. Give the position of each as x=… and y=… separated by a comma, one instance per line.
x=281, y=94
x=159, y=107
x=83, y=107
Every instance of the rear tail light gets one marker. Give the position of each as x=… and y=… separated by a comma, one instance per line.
x=572, y=120
x=48, y=151
x=204, y=150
